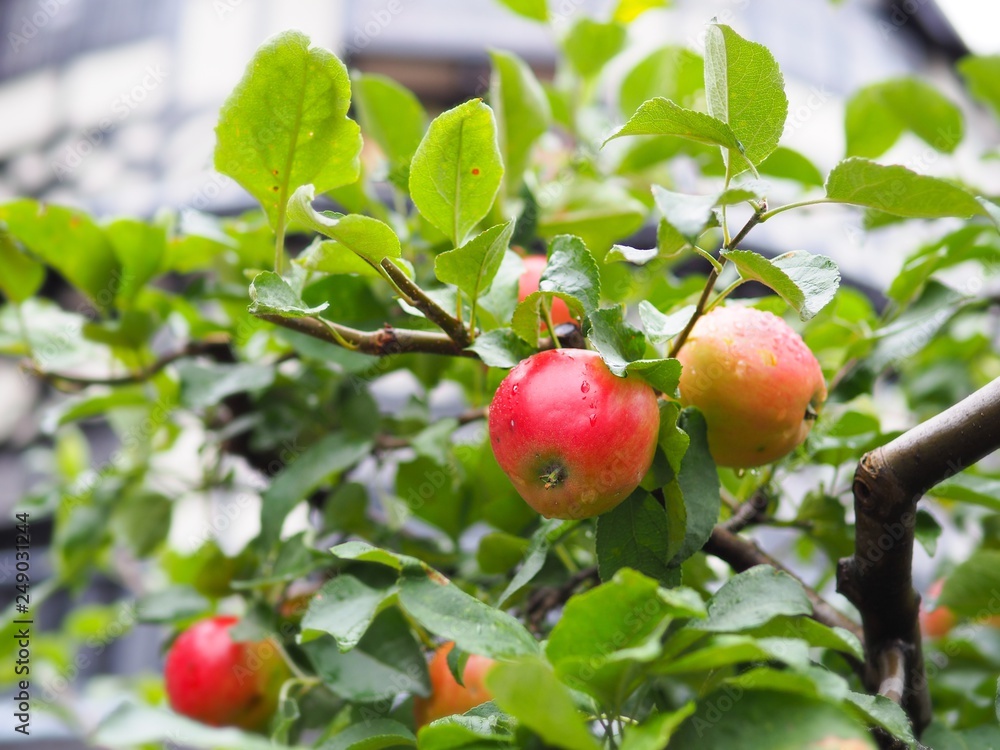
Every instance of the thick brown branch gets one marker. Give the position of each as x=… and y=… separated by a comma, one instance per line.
x=416, y=296
x=742, y=554
x=888, y=483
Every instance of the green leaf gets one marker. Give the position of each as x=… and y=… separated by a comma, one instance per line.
x=371, y=734
x=391, y=115
x=814, y=633
x=729, y=650
x=691, y=215
x=71, y=243
x=343, y=608
x=698, y=481
x=140, y=248
x=285, y=124
x=522, y=112
x=548, y=531
x=330, y=256
x=131, y=725
x=753, y=598
x=530, y=692
x=302, y=474
x=599, y=212
x=501, y=348
x=971, y=589
x=457, y=169
x=773, y=720
x=745, y=89
x=571, y=274
x=387, y=661
x=591, y=44
x=622, y=347
x=970, y=488
x=141, y=521
x=883, y=712
x=170, y=605
x=604, y=636
x=364, y=552
x=626, y=254
x=897, y=190
x=536, y=10
x=447, y=611
x=655, y=732
x=662, y=328
x=791, y=165
x=368, y=238
x=636, y=535
x=661, y=116
x=812, y=681
x=20, y=275
x=628, y=10
x=271, y=295
x=877, y=115
x=927, y=530
x=805, y=281
x=673, y=73
x=982, y=76
x=204, y=385
x=473, y=266
x=464, y=731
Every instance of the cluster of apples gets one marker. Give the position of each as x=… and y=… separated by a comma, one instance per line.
x=221, y=682
x=575, y=440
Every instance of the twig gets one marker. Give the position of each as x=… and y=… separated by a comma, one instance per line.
x=394, y=442
x=888, y=483
x=742, y=554
x=389, y=340
x=193, y=348
x=713, y=276
x=417, y=297
x=748, y=512
x=544, y=600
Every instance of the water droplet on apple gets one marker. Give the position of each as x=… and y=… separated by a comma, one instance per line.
x=584, y=386
x=512, y=424
x=593, y=419
x=515, y=388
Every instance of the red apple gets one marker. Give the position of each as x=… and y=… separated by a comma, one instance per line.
x=222, y=682
x=755, y=381
x=574, y=439
x=447, y=696
x=938, y=621
x=528, y=283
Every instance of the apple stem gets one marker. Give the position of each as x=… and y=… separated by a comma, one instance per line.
x=547, y=315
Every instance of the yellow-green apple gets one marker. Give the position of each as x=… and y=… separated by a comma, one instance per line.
x=755, y=380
